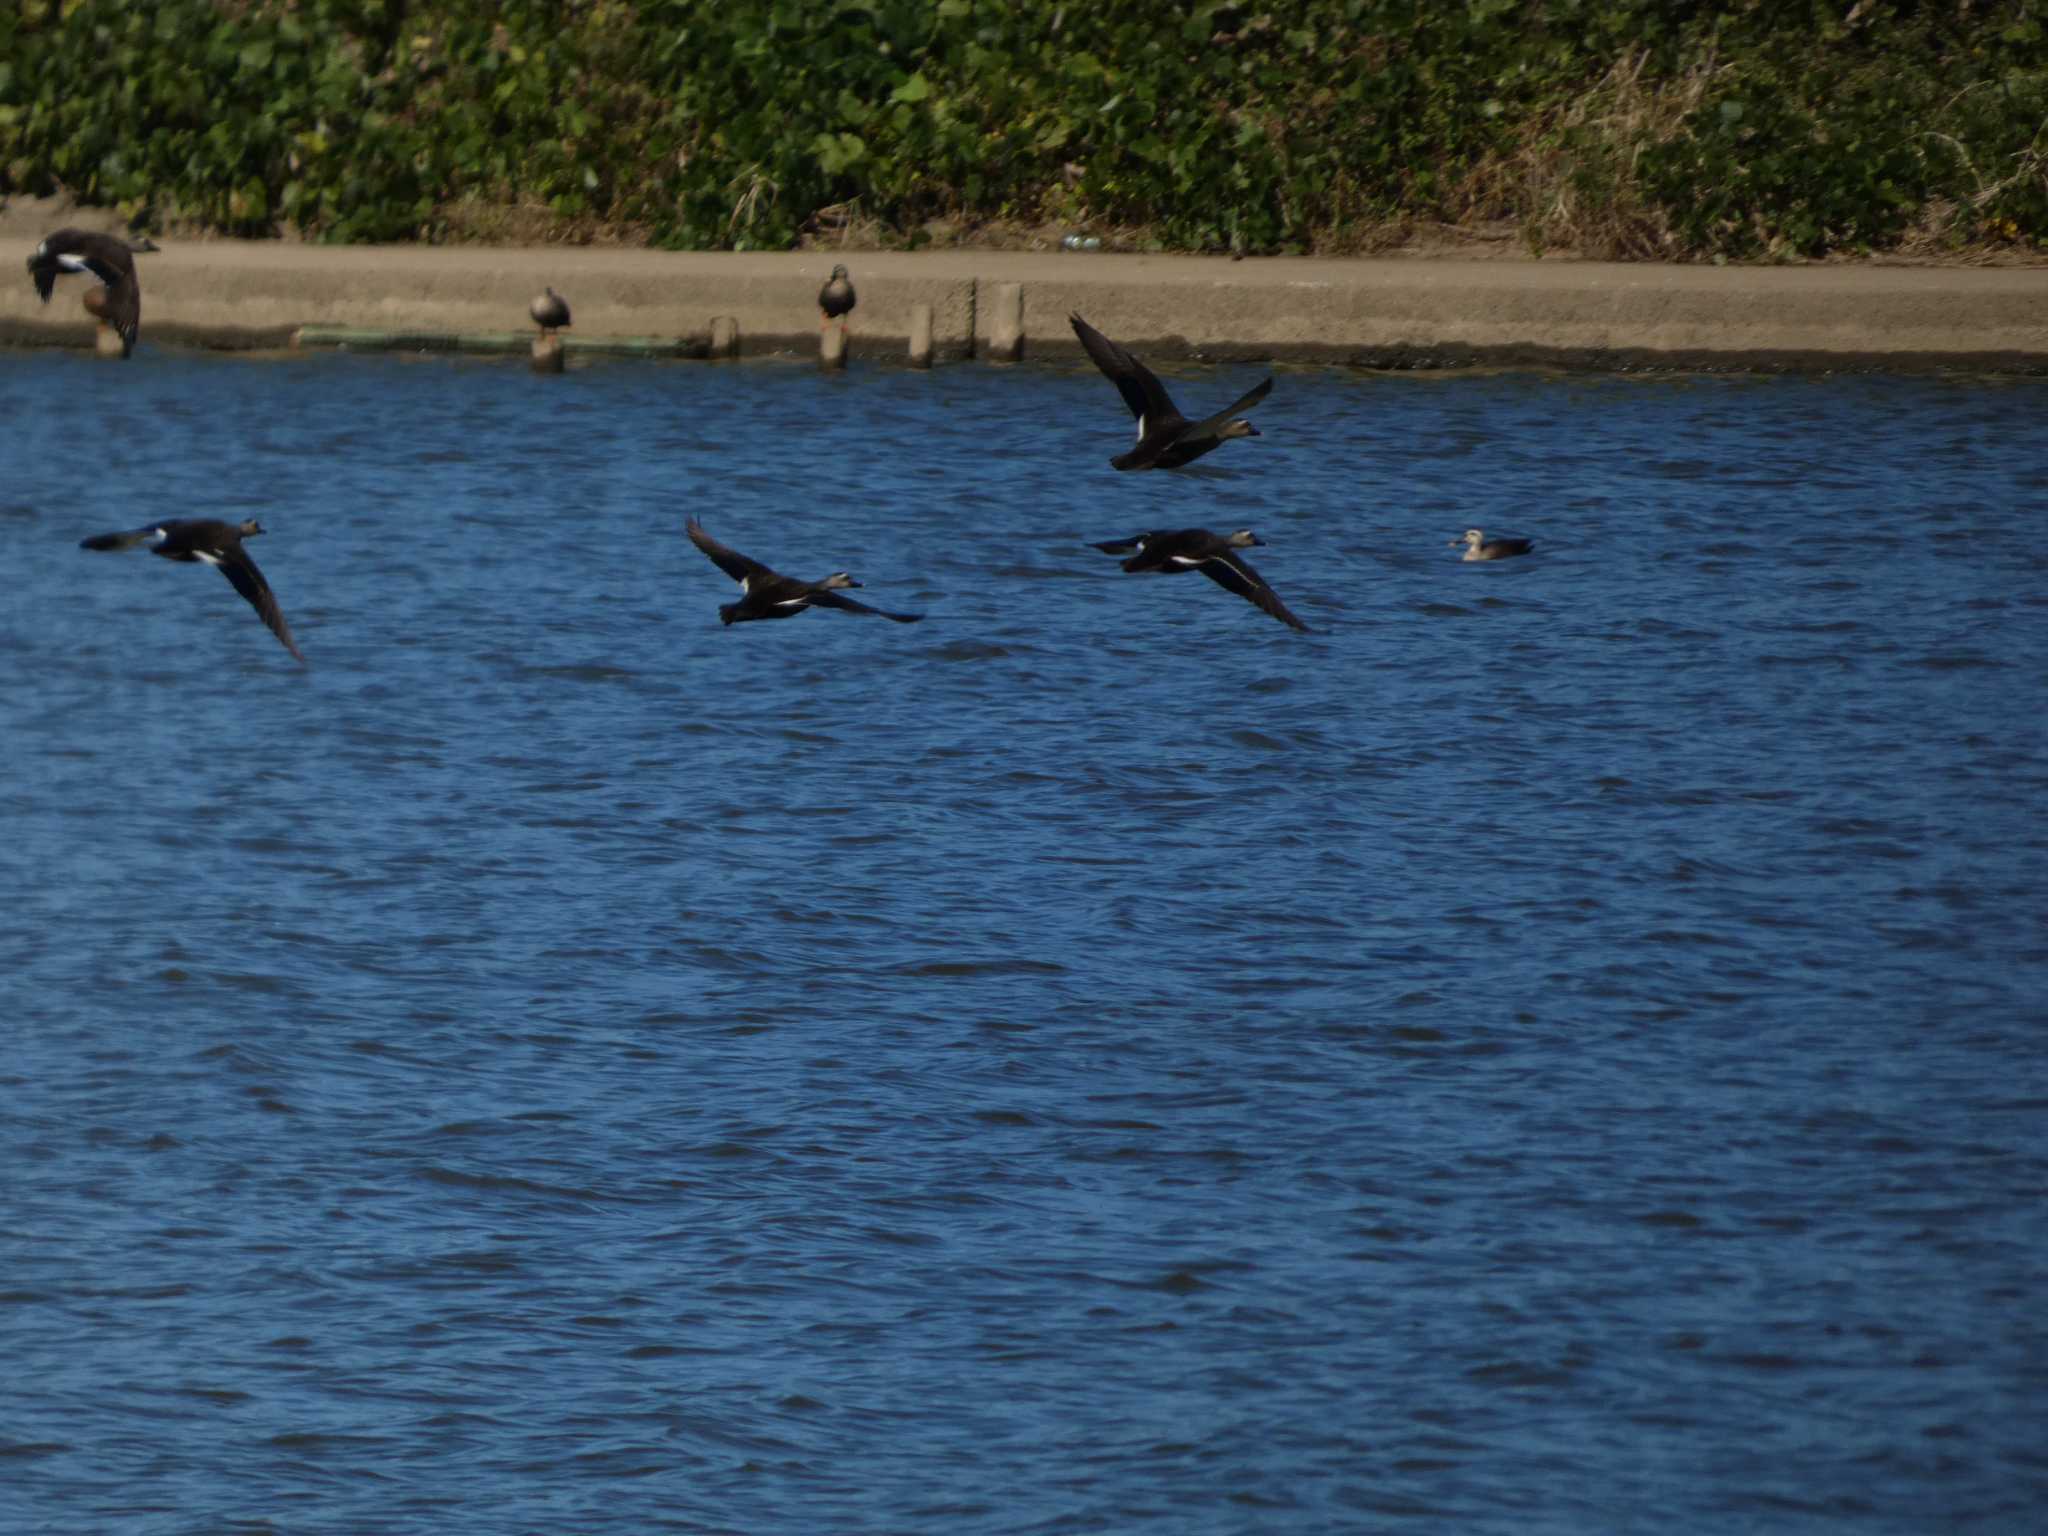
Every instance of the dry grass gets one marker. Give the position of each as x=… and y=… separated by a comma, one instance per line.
x=1573, y=185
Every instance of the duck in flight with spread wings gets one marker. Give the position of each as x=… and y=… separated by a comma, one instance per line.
x=1166, y=439
x=767, y=594
x=1215, y=555
x=210, y=542
x=111, y=260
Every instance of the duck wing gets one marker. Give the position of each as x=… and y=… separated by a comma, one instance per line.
x=1142, y=392
x=748, y=573
x=105, y=258
x=1236, y=408
x=1235, y=575
x=123, y=310
x=1125, y=546
x=824, y=597
x=235, y=564
x=82, y=250
x=153, y=534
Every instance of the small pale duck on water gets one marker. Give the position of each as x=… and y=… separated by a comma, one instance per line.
x=216, y=544
x=1166, y=439
x=108, y=258
x=836, y=299
x=550, y=311
x=1479, y=547
x=765, y=594
x=1215, y=555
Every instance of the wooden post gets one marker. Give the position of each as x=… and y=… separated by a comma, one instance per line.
x=1006, y=323
x=725, y=336
x=832, y=345
x=547, y=353
x=920, y=335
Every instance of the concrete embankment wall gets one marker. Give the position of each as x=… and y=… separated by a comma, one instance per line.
x=1399, y=312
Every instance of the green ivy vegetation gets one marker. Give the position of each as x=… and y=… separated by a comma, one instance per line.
x=1612, y=127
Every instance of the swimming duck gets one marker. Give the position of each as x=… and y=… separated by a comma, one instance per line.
x=216, y=544
x=836, y=298
x=1214, y=555
x=106, y=257
x=1480, y=547
x=765, y=594
x=550, y=311
x=1166, y=439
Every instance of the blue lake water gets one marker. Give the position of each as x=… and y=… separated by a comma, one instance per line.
x=1560, y=1048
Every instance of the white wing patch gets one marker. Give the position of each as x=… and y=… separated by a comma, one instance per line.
x=743, y=583
x=155, y=536
x=204, y=554
x=1141, y=426
x=72, y=263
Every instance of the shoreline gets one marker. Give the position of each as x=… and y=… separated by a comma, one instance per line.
x=1384, y=312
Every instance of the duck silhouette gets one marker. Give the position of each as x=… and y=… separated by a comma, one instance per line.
x=106, y=257
x=209, y=542
x=767, y=594
x=1166, y=438
x=1215, y=555
x=837, y=298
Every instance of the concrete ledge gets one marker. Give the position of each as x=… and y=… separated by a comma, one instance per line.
x=1396, y=313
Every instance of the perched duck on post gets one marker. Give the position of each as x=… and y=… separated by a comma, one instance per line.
x=551, y=313
x=836, y=299
x=216, y=544
x=764, y=594
x=1166, y=439
x=1479, y=547
x=835, y=302
x=117, y=303
x=1215, y=555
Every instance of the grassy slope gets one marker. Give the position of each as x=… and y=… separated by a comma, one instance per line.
x=1652, y=128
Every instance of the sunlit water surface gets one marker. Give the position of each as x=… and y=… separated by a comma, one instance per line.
x=1560, y=1048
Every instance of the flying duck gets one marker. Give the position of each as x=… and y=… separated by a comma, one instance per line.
x=550, y=311
x=106, y=257
x=1479, y=547
x=764, y=594
x=1166, y=439
x=1213, y=554
x=219, y=545
x=836, y=298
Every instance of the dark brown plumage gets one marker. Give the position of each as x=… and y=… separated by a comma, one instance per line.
x=837, y=297
x=766, y=594
x=106, y=257
x=1166, y=439
x=550, y=311
x=1215, y=555
x=213, y=543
